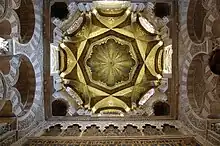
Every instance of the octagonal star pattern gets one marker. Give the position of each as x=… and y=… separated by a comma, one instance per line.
x=111, y=62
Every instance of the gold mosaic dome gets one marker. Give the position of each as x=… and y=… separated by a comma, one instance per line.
x=110, y=62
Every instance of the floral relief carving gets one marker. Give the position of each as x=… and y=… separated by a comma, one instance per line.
x=92, y=131
x=151, y=130
x=73, y=130
x=111, y=130
x=111, y=63
x=131, y=131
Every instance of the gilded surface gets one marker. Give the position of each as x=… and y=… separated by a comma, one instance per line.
x=110, y=59
x=111, y=62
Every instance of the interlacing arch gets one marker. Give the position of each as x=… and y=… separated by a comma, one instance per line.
x=195, y=21
x=198, y=96
x=27, y=20
x=21, y=78
x=15, y=80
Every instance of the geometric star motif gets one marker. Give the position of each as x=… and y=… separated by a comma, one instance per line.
x=110, y=62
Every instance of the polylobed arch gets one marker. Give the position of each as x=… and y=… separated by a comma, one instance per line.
x=197, y=85
x=26, y=15
x=5, y=28
x=195, y=21
x=26, y=82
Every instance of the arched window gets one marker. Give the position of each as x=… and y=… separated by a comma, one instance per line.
x=59, y=10
x=162, y=9
x=59, y=107
x=161, y=109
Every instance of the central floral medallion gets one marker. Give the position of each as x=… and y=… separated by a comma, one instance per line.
x=111, y=63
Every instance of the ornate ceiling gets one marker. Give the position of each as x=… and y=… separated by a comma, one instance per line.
x=111, y=59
